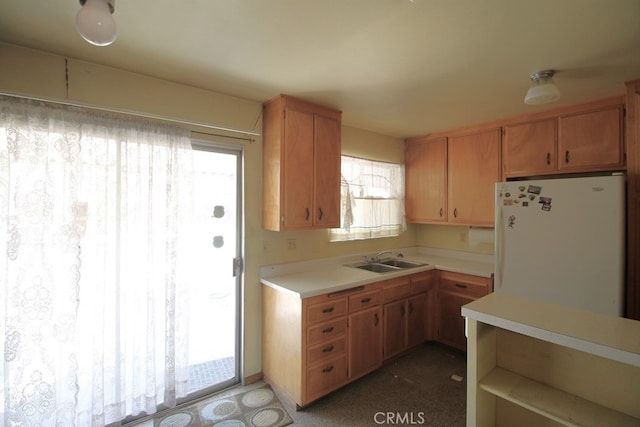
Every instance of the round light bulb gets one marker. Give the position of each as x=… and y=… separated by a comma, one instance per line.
x=95, y=23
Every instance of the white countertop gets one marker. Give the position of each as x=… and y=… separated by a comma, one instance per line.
x=612, y=337
x=311, y=278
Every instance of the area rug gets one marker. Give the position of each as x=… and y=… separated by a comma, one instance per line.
x=259, y=407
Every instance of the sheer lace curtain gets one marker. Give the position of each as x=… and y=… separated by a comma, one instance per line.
x=93, y=265
x=372, y=196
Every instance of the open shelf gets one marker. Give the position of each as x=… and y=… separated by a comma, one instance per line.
x=531, y=363
x=551, y=403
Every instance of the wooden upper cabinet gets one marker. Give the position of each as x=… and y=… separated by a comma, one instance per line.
x=474, y=168
x=301, y=165
x=591, y=140
x=530, y=148
x=327, y=171
x=426, y=181
x=575, y=139
x=297, y=182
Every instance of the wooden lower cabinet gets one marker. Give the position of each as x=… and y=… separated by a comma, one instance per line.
x=406, y=312
x=417, y=319
x=313, y=346
x=454, y=291
x=395, y=328
x=365, y=341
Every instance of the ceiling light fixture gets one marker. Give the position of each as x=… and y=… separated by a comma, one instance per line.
x=95, y=23
x=543, y=90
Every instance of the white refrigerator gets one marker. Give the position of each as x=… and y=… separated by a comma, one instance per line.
x=563, y=241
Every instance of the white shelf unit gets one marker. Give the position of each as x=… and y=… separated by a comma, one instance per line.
x=536, y=364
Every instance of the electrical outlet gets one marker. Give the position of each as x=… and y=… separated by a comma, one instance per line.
x=291, y=244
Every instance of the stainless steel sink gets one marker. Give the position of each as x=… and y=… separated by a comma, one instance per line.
x=401, y=263
x=376, y=268
x=385, y=266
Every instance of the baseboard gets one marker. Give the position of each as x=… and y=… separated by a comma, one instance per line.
x=252, y=378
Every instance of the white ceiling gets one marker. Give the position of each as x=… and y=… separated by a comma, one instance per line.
x=396, y=67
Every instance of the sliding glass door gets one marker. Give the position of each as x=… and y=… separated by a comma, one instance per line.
x=214, y=298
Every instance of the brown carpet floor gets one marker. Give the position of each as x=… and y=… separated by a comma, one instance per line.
x=416, y=389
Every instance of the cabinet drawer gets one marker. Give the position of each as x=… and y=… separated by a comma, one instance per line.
x=396, y=291
x=364, y=300
x=326, y=310
x=326, y=377
x=326, y=331
x=326, y=350
x=421, y=283
x=464, y=287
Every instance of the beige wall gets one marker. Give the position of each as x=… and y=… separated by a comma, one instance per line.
x=39, y=74
x=455, y=238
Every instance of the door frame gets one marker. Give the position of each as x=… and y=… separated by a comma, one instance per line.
x=238, y=151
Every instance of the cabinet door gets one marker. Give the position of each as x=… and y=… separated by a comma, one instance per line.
x=590, y=141
x=297, y=173
x=327, y=151
x=365, y=341
x=530, y=148
x=450, y=320
x=426, y=181
x=395, y=328
x=417, y=319
x=474, y=168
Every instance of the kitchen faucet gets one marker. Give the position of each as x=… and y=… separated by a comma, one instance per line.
x=376, y=257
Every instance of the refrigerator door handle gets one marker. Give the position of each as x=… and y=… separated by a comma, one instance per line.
x=499, y=243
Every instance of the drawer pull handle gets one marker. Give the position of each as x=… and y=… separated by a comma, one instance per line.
x=365, y=300
x=402, y=311
x=320, y=213
x=441, y=212
x=327, y=349
x=548, y=158
x=377, y=319
x=328, y=309
x=455, y=212
x=307, y=214
x=327, y=330
x=460, y=285
x=328, y=369
x=566, y=156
